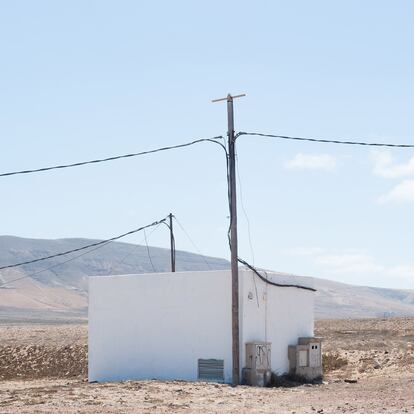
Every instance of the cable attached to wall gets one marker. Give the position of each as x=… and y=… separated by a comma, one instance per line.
x=269, y=282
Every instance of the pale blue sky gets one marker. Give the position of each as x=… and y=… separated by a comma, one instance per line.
x=87, y=79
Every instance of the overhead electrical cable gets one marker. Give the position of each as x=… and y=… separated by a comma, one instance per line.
x=53, y=266
x=117, y=157
x=248, y=227
x=244, y=209
x=134, y=248
x=148, y=252
x=270, y=282
x=74, y=258
x=192, y=242
x=327, y=141
x=155, y=223
x=248, y=265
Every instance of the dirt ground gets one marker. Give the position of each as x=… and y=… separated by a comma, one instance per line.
x=369, y=363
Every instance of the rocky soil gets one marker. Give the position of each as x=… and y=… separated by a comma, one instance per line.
x=369, y=369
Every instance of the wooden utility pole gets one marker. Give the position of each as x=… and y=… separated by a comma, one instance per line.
x=172, y=243
x=233, y=238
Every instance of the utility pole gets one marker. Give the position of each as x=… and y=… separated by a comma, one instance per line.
x=233, y=238
x=172, y=243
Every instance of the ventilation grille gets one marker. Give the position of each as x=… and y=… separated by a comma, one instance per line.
x=211, y=370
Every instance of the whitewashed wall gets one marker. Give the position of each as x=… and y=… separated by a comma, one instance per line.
x=158, y=325
x=276, y=315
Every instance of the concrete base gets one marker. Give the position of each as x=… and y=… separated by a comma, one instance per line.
x=305, y=359
x=256, y=378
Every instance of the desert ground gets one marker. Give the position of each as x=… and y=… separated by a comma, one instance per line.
x=369, y=368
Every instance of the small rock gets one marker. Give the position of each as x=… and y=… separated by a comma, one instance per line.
x=351, y=380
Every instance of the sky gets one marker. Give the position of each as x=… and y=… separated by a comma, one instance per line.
x=87, y=79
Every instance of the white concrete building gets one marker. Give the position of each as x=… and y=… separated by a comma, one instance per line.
x=159, y=326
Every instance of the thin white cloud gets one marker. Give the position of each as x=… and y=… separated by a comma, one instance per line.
x=385, y=165
x=352, y=263
x=404, y=272
x=401, y=193
x=349, y=263
x=302, y=161
x=304, y=251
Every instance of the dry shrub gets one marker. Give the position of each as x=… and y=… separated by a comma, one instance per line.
x=289, y=381
x=333, y=361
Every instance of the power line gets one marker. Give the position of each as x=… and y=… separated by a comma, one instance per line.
x=155, y=223
x=117, y=157
x=269, y=282
x=53, y=266
x=134, y=248
x=244, y=209
x=74, y=258
x=148, y=252
x=192, y=242
x=328, y=141
x=248, y=226
x=251, y=267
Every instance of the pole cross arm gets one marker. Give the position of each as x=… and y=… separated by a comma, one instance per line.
x=229, y=97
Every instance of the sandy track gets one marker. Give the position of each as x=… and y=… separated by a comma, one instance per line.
x=374, y=395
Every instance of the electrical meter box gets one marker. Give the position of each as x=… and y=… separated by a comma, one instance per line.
x=305, y=358
x=257, y=371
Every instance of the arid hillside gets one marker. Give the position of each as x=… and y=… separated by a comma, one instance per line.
x=57, y=289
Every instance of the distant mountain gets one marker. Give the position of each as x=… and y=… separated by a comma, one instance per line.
x=60, y=292
x=339, y=300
